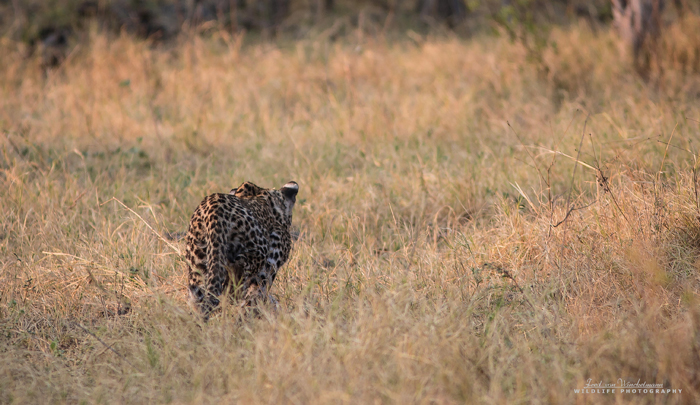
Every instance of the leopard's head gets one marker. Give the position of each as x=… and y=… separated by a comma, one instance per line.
x=282, y=200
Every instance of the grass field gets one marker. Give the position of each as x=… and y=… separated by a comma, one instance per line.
x=428, y=267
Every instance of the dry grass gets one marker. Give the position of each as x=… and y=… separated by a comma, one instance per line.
x=427, y=267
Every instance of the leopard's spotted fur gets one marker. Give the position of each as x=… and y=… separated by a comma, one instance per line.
x=236, y=242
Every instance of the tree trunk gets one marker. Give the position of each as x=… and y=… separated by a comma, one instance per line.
x=637, y=21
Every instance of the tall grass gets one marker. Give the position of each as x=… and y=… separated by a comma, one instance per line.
x=428, y=266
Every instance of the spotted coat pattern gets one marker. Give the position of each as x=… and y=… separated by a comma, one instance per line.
x=236, y=242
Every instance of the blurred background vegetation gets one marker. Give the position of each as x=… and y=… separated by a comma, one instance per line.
x=37, y=20
x=59, y=23
x=52, y=28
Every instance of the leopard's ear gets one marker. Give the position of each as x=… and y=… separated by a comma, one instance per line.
x=235, y=190
x=290, y=190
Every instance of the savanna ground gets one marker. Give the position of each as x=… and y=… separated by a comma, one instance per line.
x=429, y=266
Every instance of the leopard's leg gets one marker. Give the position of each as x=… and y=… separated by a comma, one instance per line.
x=264, y=280
x=216, y=278
x=197, y=270
x=195, y=285
x=266, y=296
x=245, y=263
x=215, y=281
x=268, y=274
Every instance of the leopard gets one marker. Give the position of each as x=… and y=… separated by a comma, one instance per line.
x=236, y=244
